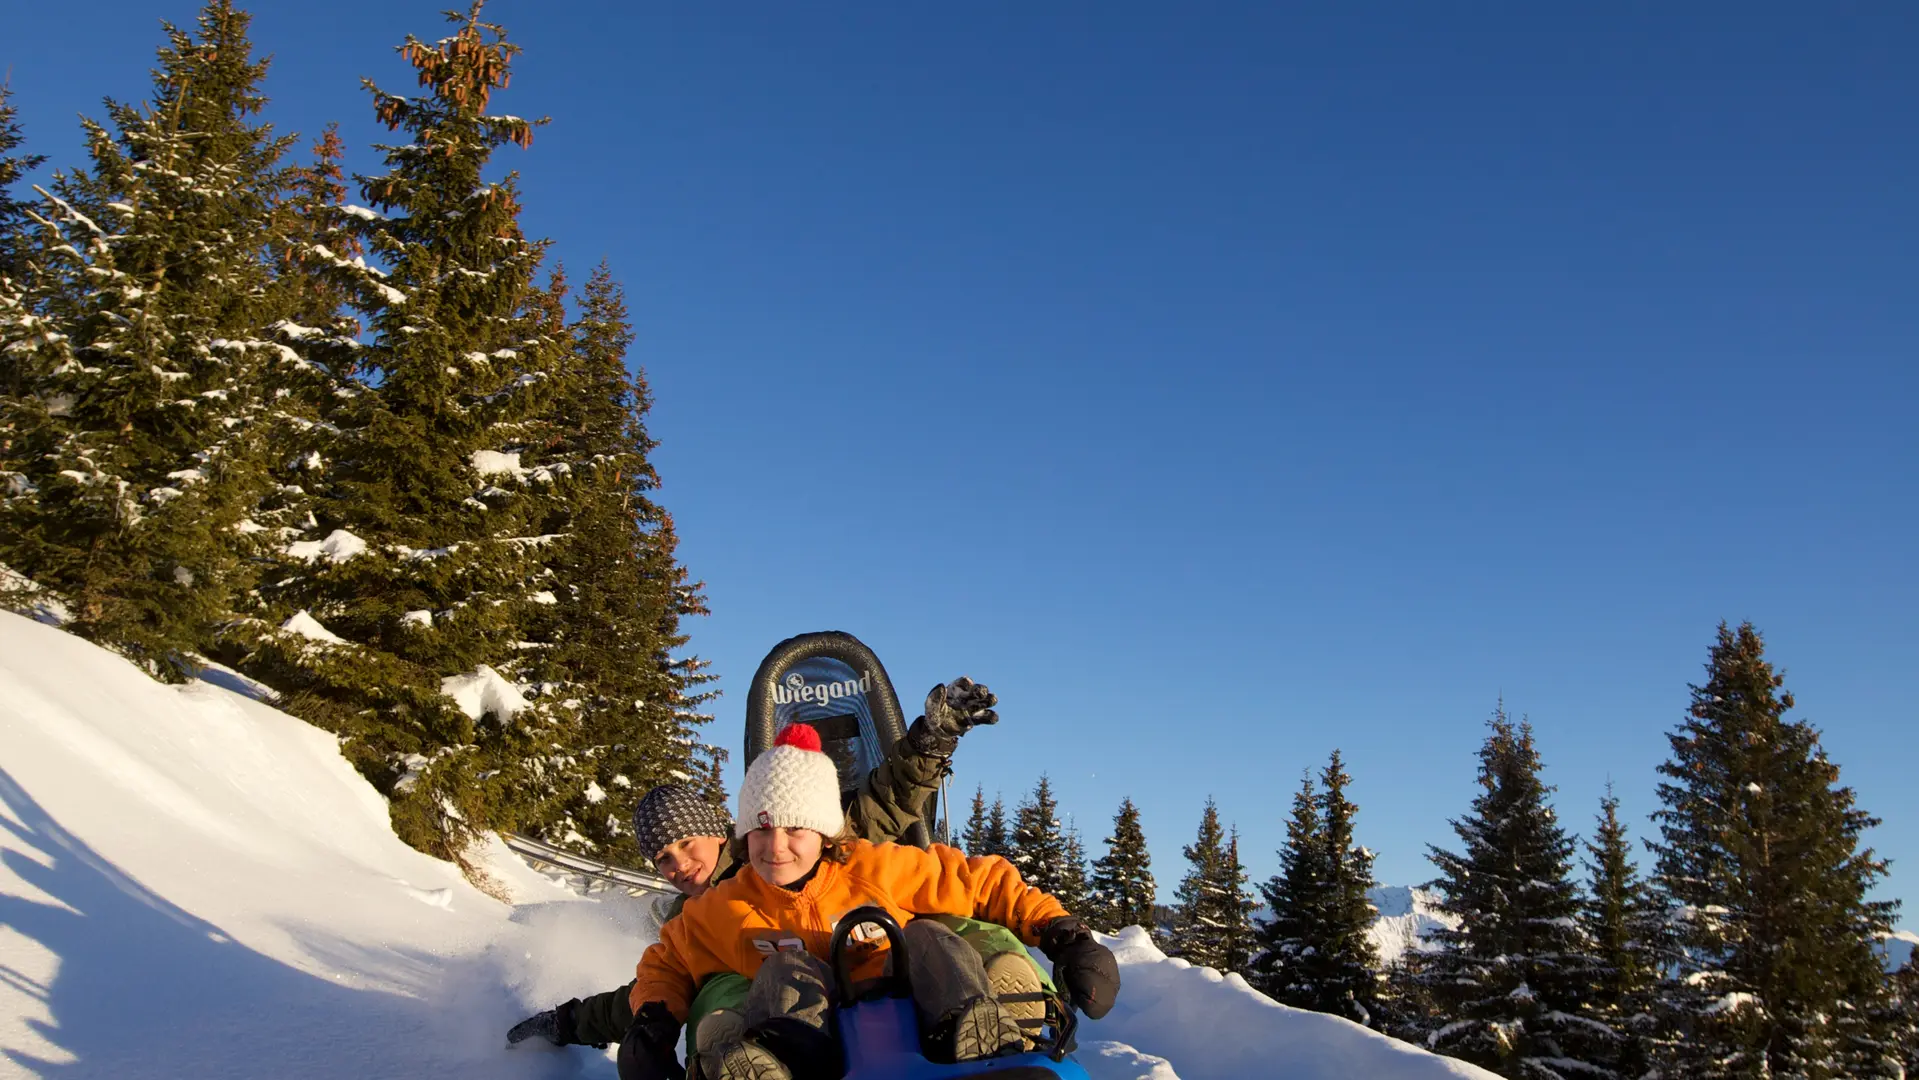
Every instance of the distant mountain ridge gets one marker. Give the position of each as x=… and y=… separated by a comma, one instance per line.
x=1406, y=916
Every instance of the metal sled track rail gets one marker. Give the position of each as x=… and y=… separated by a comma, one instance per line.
x=528, y=848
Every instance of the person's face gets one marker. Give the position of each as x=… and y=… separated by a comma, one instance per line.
x=689, y=863
x=783, y=856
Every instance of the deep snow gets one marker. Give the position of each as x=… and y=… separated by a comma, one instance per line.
x=194, y=884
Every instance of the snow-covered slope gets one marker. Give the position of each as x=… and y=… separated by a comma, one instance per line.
x=1406, y=916
x=1211, y=1027
x=193, y=884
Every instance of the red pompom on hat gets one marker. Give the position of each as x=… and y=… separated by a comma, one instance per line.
x=794, y=785
x=801, y=735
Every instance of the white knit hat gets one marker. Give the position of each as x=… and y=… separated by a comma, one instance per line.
x=792, y=786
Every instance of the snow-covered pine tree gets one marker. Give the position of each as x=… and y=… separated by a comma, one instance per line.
x=1347, y=979
x=1624, y=931
x=602, y=648
x=1902, y=1018
x=316, y=339
x=1760, y=864
x=1213, y=906
x=1123, y=890
x=17, y=320
x=423, y=565
x=313, y=215
x=136, y=398
x=1297, y=898
x=1240, y=940
x=1516, y=979
x=1038, y=842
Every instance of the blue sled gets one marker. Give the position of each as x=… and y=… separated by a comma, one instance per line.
x=881, y=1036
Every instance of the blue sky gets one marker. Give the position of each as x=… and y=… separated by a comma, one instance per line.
x=1230, y=384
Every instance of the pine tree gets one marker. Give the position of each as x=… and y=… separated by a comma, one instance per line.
x=134, y=403
x=13, y=213
x=1298, y=899
x=1902, y=1014
x=19, y=325
x=1123, y=891
x=602, y=645
x=1623, y=930
x=998, y=837
x=1211, y=927
x=1516, y=979
x=1760, y=865
x=1039, y=844
x=1073, y=893
x=1316, y=952
x=713, y=776
x=423, y=567
x=1239, y=940
x=973, y=836
x=1348, y=977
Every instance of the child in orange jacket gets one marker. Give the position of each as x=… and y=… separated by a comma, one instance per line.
x=774, y=920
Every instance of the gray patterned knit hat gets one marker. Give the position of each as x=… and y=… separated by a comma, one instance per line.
x=672, y=812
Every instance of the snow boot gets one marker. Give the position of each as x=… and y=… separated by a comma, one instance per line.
x=729, y=1052
x=1016, y=986
x=985, y=1029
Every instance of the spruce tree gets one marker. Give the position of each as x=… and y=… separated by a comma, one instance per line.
x=13, y=212
x=422, y=568
x=1760, y=865
x=602, y=647
x=1902, y=1014
x=1348, y=978
x=19, y=324
x=1298, y=899
x=1516, y=979
x=315, y=339
x=1623, y=929
x=1074, y=892
x=1316, y=953
x=973, y=836
x=134, y=405
x=998, y=837
x=1039, y=844
x=1123, y=891
x=1211, y=926
x=1239, y=940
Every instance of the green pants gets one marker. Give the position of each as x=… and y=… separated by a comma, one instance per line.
x=727, y=990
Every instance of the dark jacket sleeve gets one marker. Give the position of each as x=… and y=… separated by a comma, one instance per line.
x=603, y=1018
x=892, y=797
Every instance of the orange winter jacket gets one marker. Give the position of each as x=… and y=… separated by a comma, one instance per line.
x=743, y=920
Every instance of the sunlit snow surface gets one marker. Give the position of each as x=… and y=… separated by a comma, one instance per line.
x=193, y=884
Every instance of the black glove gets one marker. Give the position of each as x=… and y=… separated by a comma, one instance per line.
x=646, y=1053
x=1082, y=967
x=555, y=1025
x=955, y=708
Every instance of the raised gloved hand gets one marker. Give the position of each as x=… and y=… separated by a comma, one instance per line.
x=555, y=1025
x=646, y=1053
x=952, y=709
x=1082, y=967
